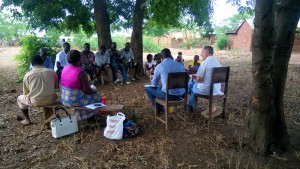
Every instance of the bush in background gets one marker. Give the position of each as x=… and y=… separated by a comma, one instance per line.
x=222, y=41
x=194, y=43
x=30, y=46
x=149, y=45
x=80, y=38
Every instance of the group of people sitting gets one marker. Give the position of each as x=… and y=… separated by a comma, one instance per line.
x=106, y=60
x=75, y=69
x=198, y=84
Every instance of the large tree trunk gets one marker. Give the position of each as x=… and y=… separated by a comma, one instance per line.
x=262, y=110
x=102, y=23
x=137, y=31
x=268, y=130
x=287, y=18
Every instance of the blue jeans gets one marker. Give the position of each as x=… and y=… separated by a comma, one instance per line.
x=116, y=66
x=156, y=92
x=192, y=90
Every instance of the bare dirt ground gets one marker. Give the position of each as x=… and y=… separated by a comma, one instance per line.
x=222, y=144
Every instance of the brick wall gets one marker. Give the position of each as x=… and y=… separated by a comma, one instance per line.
x=242, y=39
x=296, y=43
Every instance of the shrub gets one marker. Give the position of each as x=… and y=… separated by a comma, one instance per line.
x=222, y=41
x=194, y=43
x=80, y=38
x=120, y=40
x=149, y=45
x=30, y=46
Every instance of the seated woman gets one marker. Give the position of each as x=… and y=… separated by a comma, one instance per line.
x=75, y=89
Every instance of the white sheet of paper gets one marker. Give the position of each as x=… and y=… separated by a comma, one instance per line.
x=149, y=85
x=95, y=105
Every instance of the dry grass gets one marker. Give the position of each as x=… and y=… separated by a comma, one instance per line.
x=221, y=144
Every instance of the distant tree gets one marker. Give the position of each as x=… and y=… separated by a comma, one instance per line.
x=230, y=24
x=11, y=30
x=76, y=14
x=275, y=24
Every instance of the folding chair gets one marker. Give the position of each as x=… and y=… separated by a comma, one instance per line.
x=219, y=75
x=175, y=80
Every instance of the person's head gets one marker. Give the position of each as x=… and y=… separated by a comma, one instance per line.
x=179, y=58
x=113, y=46
x=196, y=58
x=149, y=57
x=43, y=52
x=86, y=47
x=74, y=57
x=179, y=53
x=67, y=47
x=127, y=46
x=36, y=60
x=157, y=57
x=207, y=51
x=166, y=53
x=102, y=48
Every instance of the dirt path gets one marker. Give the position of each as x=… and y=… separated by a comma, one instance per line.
x=8, y=64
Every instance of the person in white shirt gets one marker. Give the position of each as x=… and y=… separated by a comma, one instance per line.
x=102, y=63
x=200, y=83
x=128, y=60
x=61, y=57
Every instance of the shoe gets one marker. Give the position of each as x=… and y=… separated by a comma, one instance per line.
x=127, y=82
x=116, y=81
x=133, y=79
x=190, y=108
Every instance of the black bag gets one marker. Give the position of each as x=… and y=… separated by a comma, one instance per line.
x=130, y=129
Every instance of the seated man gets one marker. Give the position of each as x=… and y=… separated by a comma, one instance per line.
x=168, y=65
x=88, y=58
x=61, y=59
x=128, y=60
x=47, y=63
x=194, y=65
x=102, y=63
x=201, y=82
x=39, y=86
x=117, y=63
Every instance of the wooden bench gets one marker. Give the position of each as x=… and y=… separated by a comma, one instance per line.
x=49, y=110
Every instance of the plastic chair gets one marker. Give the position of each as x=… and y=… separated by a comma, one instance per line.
x=219, y=75
x=174, y=81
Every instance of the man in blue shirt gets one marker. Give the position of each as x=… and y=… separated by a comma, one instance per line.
x=168, y=65
x=47, y=60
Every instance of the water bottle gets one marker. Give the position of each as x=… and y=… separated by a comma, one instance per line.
x=103, y=99
x=171, y=109
x=133, y=117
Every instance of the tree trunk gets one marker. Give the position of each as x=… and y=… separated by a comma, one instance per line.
x=268, y=130
x=287, y=18
x=262, y=110
x=102, y=23
x=137, y=31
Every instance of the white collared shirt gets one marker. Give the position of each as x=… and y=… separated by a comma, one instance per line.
x=205, y=72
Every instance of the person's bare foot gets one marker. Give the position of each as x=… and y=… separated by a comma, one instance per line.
x=25, y=122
